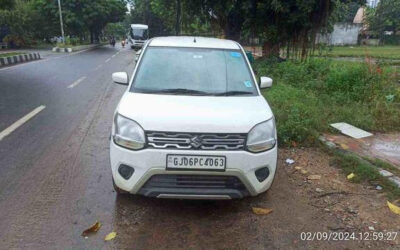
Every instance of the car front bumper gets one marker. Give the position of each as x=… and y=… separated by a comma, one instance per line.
x=148, y=163
x=137, y=45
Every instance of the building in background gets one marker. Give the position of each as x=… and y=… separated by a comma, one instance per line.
x=345, y=33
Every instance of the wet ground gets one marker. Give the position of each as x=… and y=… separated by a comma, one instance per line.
x=55, y=179
x=385, y=147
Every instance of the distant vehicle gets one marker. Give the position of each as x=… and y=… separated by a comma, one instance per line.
x=138, y=35
x=112, y=42
x=192, y=123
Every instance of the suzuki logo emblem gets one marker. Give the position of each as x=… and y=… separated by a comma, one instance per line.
x=196, y=142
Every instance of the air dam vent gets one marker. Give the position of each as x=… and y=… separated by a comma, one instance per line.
x=195, y=141
x=194, y=185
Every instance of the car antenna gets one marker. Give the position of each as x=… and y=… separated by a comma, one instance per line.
x=194, y=39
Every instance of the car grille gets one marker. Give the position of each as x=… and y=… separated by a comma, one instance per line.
x=168, y=140
x=194, y=181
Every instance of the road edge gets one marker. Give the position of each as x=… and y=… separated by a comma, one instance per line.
x=11, y=60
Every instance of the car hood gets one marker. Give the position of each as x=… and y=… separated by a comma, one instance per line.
x=196, y=114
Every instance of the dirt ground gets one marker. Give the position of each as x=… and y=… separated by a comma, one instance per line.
x=330, y=204
x=52, y=212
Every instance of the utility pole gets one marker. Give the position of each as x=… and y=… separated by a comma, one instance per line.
x=61, y=21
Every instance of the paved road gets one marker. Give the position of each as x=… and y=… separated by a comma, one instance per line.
x=46, y=164
x=55, y=176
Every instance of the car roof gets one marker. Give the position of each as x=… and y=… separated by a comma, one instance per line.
x=193, y=42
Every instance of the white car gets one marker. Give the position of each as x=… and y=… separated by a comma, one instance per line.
x=192, y=123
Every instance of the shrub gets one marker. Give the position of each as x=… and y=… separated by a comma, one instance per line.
x=15, y=41
x=308, y=96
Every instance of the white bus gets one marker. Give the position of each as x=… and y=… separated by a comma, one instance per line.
x=138, y=35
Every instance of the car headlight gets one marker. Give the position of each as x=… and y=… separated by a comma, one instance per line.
x=262, y=137
x=128, y=133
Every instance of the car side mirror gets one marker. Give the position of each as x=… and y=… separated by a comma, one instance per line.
x=265, y=82
x=120, y=78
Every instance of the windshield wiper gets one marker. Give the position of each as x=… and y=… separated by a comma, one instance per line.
x=182, y=91
x=229, y=93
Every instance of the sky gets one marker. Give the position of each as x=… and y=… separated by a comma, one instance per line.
x=372, y=3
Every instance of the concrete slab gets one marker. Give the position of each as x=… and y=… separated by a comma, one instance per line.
x=350, y=130
x=385, y=173
x=395, y=180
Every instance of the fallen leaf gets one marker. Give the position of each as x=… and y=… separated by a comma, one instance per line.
x=110, y=236
x=297, y=168
x=344, y=146
x=395, y=209
x=314, y=177
x=92, y=229
x=351, y=176
x=304, y=171
x=261, y=211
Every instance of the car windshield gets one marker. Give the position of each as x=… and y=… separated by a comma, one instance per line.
x=139, y=34
x=193, y=71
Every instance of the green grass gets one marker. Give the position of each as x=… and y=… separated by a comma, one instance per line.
x=365, y=172
x=11, y=54
x=384, y=52
x=385, y=165
x=307, y=96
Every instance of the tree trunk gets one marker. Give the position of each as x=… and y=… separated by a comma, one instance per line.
x=234, y=22
x=91, y=37
x=270, y=49
x=178, y=17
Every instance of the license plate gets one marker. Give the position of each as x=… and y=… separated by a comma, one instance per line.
x=204, y=162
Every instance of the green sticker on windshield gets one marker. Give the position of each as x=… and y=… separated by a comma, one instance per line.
x=247, y=84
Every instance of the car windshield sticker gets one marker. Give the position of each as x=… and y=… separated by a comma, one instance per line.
x=197, y=56
x=235, y=54
x=247, y=84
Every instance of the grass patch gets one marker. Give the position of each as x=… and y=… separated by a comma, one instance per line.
x=387, y=52
x=308, y=96
x=11, y=54
x=384, y=165
x=365, y=172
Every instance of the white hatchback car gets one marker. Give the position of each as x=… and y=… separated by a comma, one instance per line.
x=193, y=123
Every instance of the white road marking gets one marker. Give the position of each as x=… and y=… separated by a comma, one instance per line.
x=113, y=56
x=77, y=82
x=108, y=59
x=98, y=67
x=20, y=122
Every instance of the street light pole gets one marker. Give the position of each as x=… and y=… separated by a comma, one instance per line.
x=61, y=21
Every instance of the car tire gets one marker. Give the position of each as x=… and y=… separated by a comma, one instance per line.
x=118, y=190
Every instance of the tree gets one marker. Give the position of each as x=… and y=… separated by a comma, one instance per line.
x=345, y=11
x=118, y=30
x=18, y=19
x=6, y=4
x=386, y=17
x=229, y=15
x=38, y=19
